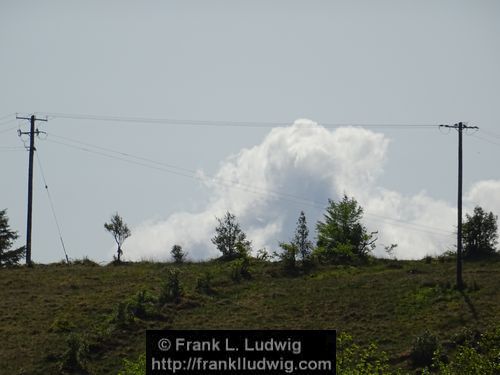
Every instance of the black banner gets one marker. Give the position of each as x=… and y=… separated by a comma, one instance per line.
x=240, y=352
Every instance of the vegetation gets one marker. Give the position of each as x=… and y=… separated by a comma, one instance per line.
x=384, y=302
x=229, y=239
x=299, y=247
x=480, y=234
x=301, y=238
x=8, y=257
x=178, y=255
x=120, y=232
x=341, y=236
x=84, y=318
x=171, y=289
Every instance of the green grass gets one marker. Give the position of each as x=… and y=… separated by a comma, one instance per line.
x=386, y=301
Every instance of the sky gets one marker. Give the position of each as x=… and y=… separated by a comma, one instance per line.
x=172, y=113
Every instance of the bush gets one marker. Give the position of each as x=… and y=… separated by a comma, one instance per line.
x=122, y=317
x=137, y=367
x=343, y=253
x=353, y=359
x=478, y=355
x=85, y=261
x=171, y=289
x=74, y=358
x=140, y=305
x=423, y=349
x=263, y=254
x=240, y=269
x=288, y=258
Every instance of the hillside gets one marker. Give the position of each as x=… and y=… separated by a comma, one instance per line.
x=389, y=302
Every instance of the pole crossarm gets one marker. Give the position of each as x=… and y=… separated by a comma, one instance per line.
x=456, y=126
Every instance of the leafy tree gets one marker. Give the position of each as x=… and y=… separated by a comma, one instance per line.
x=7, y=237
x=119, y=231
x=178, y=254
x=479, y=233
x=301, y=240
x=229, y=239
x=341, y=235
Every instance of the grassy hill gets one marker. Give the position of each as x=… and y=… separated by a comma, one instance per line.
x=388, y=302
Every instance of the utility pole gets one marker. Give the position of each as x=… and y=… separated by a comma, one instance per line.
x=31, y=134
x=459, y=127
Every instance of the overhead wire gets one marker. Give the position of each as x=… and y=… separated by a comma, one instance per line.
x=51, y=205
x=486, y=139
x=8, y=129
x=490, y=133
x=169, y=168
x=223, y=123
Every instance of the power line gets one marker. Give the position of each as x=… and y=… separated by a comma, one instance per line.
x=12, y=148
x=52, y=206
x=8, y=129
x=223, y=123
x=492, y=134
x=163, y=167
x=486, y=140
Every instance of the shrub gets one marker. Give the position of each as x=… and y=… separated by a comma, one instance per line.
x=140, y=305
x=478, y=355
x=74, y=358
x=423, y=349
x=240, y=269
x=343, y=253
x=263, y=254
x=122, y=317
x=353, y=359
x=137, y=367
x=85, y=261
x=288, y=257
x=171, y=289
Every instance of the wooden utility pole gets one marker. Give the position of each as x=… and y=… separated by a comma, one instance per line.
x=29, y=220
x=459, y=127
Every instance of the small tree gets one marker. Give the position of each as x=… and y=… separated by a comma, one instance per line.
x=178, y=254
x=229, y=239
x=119, y=231
x=342, y=232
x=7, y=237
x=479, y=233
x=301, y=240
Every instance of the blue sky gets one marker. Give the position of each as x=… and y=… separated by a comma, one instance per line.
x=331, y=62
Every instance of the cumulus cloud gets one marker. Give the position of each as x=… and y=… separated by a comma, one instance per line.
x=298, y=168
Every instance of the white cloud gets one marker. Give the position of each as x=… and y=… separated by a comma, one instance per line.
x=298, y=168
x=485, y=194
